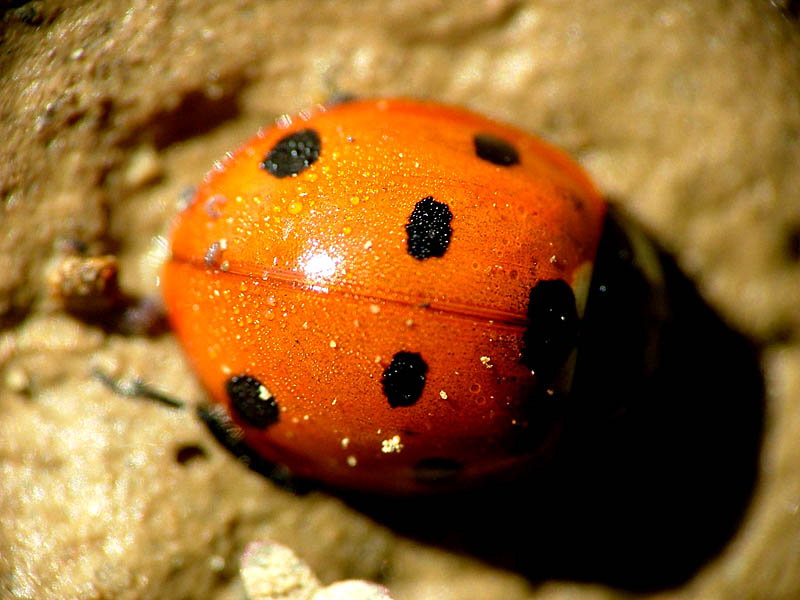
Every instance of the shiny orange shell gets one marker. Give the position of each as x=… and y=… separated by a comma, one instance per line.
x=295, y=291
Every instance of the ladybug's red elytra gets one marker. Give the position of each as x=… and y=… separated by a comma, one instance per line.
x=386, y=294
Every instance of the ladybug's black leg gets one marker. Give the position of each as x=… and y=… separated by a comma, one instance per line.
x=224, y=430
x=230, y=436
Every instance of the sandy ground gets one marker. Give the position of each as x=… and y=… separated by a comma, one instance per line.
x=686, y=113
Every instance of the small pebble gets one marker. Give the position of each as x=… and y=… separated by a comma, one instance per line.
x=353, y=590
x=144, y=167
x=271, y=571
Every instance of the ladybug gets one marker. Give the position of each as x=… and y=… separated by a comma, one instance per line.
x=386, y=294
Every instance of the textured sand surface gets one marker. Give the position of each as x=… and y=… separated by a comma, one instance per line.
x=686, y=113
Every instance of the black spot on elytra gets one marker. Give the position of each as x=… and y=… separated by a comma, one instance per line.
x=293, y=153
x=227, y=433
x=495, y=150
x=404, y=379
x=252, y=401
x=437, y=471
x=552, y=327
x=429, y=229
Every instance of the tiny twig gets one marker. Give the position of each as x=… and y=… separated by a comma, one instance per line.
x=136, y=388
